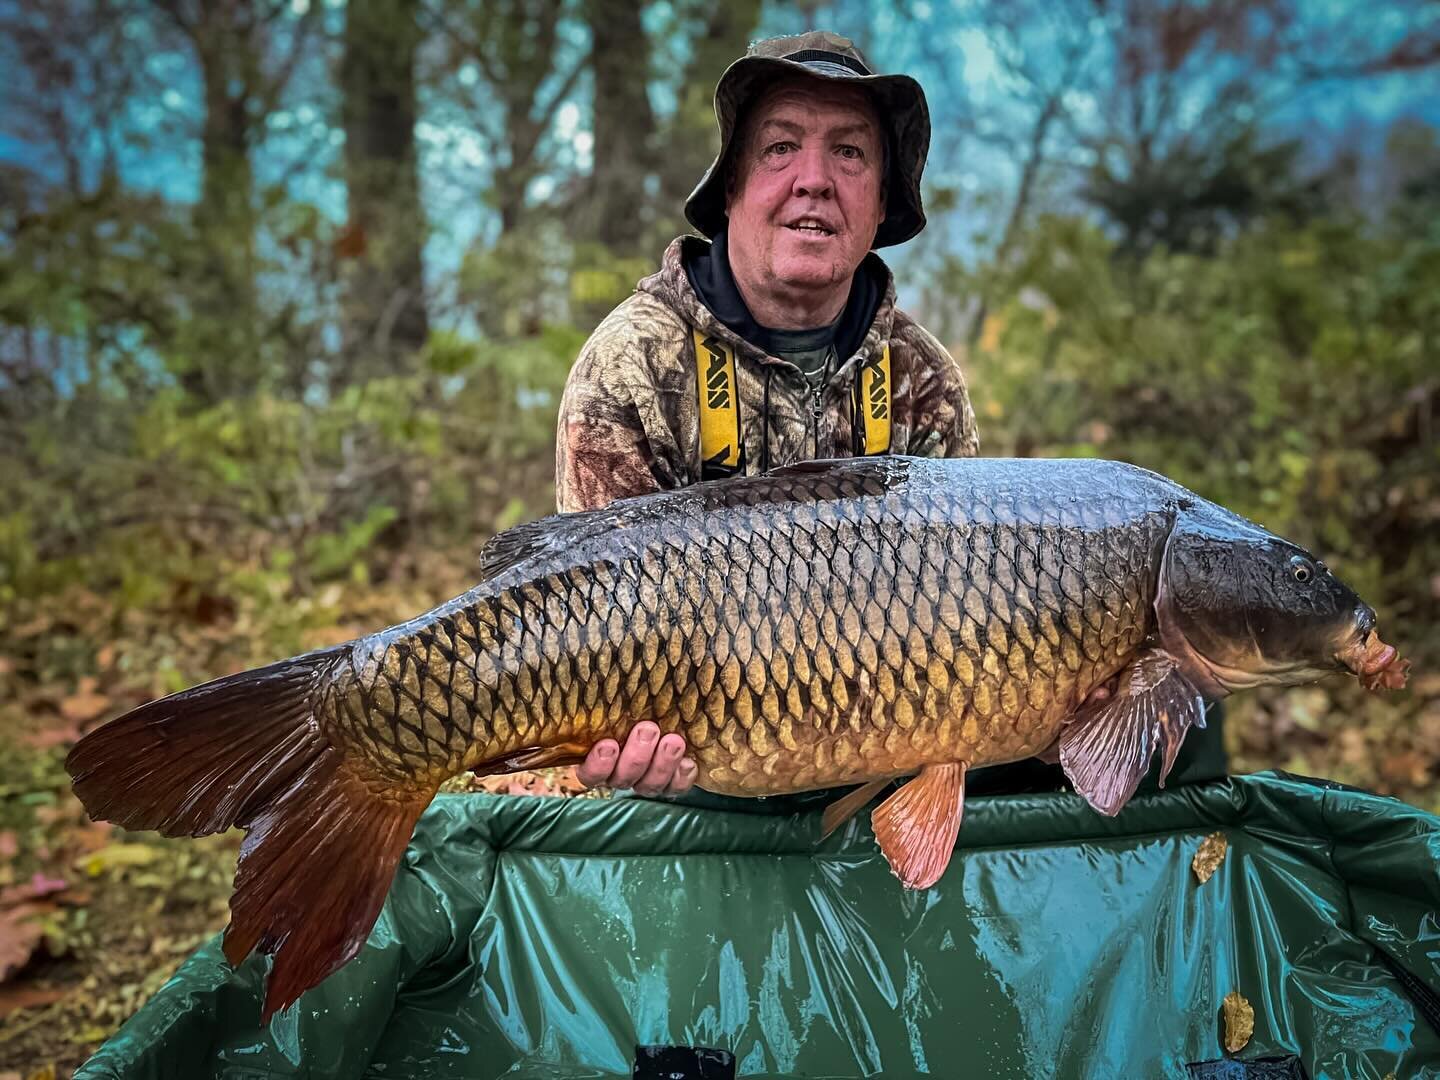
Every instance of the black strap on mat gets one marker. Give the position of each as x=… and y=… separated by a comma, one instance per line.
x=682, y=1063
x=1425, y=999
x=1271, y=1068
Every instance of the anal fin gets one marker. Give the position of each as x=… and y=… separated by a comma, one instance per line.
x=847, y=806
x=532, y=757
x=1106, y=748
x=916, y=827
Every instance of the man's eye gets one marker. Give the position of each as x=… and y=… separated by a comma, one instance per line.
x=854, y=153
x=780, y=148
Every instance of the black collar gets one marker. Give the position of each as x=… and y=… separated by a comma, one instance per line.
x=707, y=265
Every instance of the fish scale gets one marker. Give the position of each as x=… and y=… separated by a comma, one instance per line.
x=799, y=634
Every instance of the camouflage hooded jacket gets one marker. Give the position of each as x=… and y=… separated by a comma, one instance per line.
x=629, y=420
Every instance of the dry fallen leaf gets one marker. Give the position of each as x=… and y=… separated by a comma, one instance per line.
x=1405, y=768
x=538, y=782
x=43, y=624
x=37, y=887
x=1239, y=1021
x=91, y=836
x=84, y=706
x=116, y=855
x=41, y=885
x=51, y=737
x=1209, y=856
x=569, y=783
x=14, y=998
x=22, y=929
x=63, y=812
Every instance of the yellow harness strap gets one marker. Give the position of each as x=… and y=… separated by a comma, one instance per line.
x=872, y=402
x=720, y=447
x=721, y=452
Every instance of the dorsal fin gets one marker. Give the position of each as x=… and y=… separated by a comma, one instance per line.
x=537, y=539
x=890, y=468
x=806, y=468
x=561, y=532
x=517, y=544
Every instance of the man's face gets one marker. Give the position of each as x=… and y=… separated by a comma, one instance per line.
x=807, y=194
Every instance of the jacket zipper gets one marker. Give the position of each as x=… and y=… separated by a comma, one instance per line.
x=817, y=408
x=817, y=399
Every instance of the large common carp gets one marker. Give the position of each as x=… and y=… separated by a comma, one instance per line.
x=827, y=623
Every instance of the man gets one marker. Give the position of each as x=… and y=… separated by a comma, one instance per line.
x=786, y=319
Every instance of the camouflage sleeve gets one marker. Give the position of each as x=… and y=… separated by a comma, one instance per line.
x=612, y=438
x=943, y=421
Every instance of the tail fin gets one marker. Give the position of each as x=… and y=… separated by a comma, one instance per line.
x=322, y=843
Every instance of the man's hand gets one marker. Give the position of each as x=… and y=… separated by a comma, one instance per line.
x=649, y=766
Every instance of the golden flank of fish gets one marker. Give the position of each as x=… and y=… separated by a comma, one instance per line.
x=829, y=623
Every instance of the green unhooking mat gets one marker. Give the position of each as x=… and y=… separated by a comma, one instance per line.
x=531, y=937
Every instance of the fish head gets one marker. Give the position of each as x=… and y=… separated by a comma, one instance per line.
x=1241, y=607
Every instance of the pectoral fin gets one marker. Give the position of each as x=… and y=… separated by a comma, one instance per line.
x=847, y=806
x=916, y=827
x=1105, y=748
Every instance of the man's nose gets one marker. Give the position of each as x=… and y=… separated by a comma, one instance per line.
x=812, y=174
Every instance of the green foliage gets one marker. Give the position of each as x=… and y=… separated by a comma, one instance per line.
x=1289, y=377
x=265, y=491
x=331, y=554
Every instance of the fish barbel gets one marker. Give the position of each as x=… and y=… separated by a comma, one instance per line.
x=827, y=623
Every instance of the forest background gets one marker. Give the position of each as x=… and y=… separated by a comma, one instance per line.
x=289, y=289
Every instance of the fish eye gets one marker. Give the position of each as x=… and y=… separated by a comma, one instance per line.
x=1301, y=569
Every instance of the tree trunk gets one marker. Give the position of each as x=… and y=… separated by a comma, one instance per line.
x=692, y=140
x=227, y=184
x=624, y=124
x=386, y=315
x=221, y=359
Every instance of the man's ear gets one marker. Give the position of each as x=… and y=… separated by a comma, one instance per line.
x=884, y=202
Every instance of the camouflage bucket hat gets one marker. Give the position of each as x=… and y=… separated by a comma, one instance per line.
x=823, y=55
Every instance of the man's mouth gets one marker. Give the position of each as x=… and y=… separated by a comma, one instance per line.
x=810, y=227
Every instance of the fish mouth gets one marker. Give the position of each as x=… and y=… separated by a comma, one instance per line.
x=1376, y=664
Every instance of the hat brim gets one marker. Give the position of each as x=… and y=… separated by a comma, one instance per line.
x=903, y=111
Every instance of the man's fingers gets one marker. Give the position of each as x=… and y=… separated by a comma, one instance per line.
x=684, y=780
x=648, y=763
x=1102, y=693
x=599, y=763
x=662, y=767
x=635, y=755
